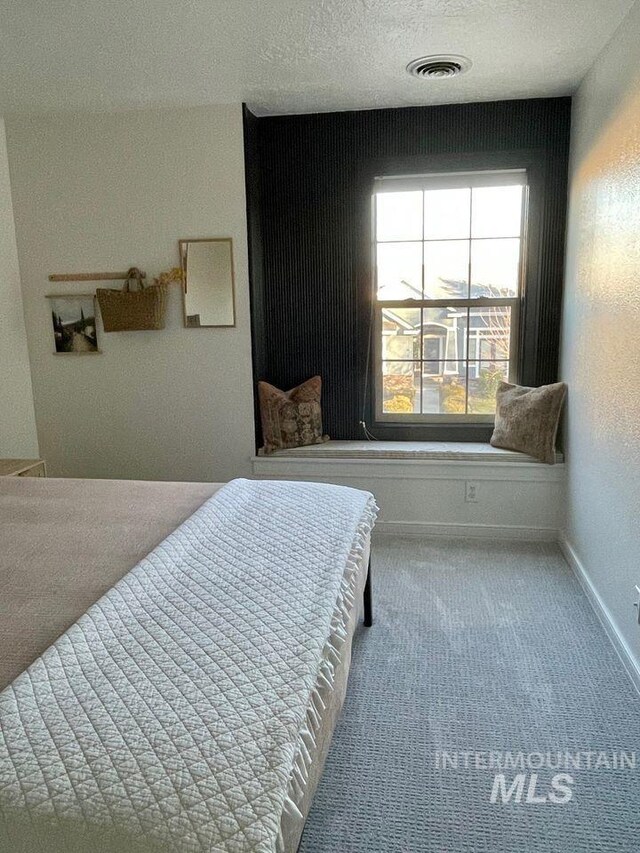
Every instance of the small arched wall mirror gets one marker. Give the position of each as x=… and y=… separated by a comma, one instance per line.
x=208, y=289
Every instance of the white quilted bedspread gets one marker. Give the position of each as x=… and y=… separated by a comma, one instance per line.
x=173, y=716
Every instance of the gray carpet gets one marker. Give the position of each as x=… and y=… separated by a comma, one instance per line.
x=481, y=647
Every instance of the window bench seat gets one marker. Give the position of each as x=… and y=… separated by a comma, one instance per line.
x=458, y=451
x=436, y=488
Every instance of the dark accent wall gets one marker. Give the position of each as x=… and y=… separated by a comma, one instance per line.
x=255, y=254
x=309, y=181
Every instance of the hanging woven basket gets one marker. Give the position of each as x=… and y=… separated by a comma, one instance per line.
x=130, y=310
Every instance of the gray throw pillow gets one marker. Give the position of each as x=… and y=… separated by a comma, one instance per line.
x=527, y=419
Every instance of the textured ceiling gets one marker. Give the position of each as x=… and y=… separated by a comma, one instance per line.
x=286, y=56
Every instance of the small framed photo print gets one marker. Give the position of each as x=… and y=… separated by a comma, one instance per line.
x=74, y=324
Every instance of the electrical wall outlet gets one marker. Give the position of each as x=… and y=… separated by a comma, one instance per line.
x=471, y=492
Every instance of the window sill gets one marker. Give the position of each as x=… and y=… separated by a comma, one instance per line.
x=431, y=433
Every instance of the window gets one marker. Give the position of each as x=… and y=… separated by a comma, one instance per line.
x=448, y=267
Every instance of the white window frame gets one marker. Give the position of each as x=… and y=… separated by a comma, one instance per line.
x=476, y=178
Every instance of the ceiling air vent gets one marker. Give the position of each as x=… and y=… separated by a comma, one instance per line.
x=438, y=67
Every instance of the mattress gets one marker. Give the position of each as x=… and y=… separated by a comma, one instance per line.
x=59, y=535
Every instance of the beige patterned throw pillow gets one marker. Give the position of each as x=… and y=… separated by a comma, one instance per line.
x=291, y=418
x=527, y=419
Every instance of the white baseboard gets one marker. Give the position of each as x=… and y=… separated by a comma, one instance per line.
x=468, y=531
x=602, y=612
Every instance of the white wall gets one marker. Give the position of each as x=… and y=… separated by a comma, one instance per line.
x=17, y=420
x=103, y=192
x=601, y=330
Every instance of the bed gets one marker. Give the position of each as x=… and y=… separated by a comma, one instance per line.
x=71, y=553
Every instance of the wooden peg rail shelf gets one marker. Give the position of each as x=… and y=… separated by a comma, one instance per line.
x=92, y=276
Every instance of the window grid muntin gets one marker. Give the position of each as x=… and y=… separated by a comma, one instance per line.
x=454, y=239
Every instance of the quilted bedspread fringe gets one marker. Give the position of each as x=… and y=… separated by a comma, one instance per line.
x=332, y=656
